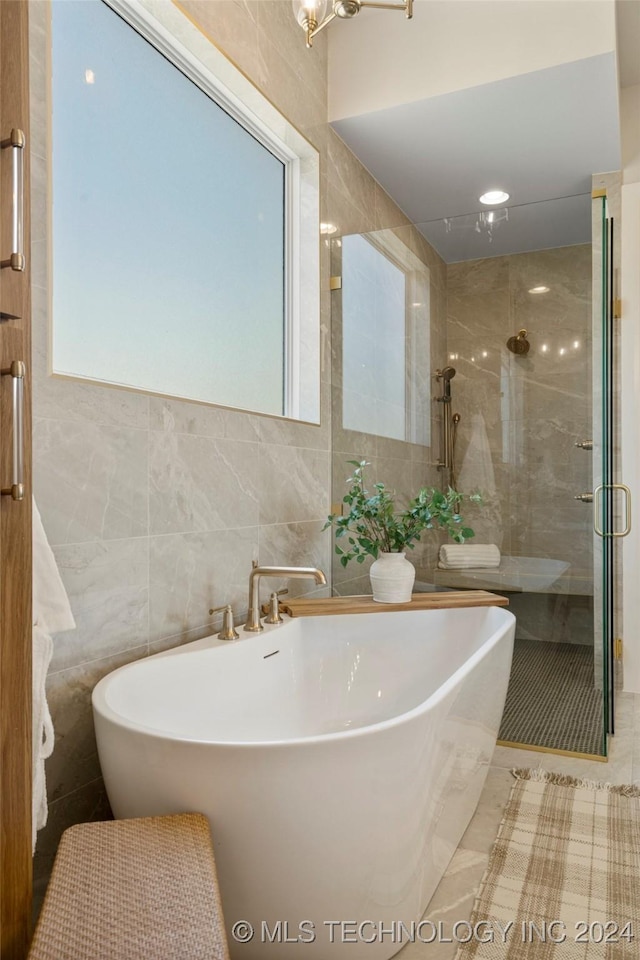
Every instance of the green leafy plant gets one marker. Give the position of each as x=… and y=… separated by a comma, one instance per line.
x=373, y=524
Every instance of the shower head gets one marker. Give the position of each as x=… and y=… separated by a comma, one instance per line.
x=446, y=375
x=519, y=345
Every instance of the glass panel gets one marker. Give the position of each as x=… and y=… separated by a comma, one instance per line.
x=373, y=340
x=606, y=512
x=602, y=462
x=385, y=337
x=168, y=225
x=382, y=324
x=520, y=331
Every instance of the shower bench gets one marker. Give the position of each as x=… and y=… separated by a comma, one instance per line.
x=551, y=599
x=133, y=890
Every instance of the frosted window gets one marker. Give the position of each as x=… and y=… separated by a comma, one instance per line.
x=385, y=338
x=169, y=239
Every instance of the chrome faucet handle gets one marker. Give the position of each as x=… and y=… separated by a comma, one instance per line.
x=228, y=631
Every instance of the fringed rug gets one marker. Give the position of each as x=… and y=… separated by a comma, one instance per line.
x=563, y=881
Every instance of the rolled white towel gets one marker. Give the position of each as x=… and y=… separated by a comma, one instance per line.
x=460, y=556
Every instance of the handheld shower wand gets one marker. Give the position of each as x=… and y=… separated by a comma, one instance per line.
x=446, y=375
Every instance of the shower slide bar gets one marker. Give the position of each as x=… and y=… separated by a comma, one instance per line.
x=449, y=423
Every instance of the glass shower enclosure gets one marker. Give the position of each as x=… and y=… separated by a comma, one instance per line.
x=532, y=342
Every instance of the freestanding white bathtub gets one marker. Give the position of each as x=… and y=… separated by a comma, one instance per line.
x=339, y=760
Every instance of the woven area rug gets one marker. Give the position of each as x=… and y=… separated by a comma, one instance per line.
x=563, y=879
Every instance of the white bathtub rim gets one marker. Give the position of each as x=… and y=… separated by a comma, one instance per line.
x=100, y=705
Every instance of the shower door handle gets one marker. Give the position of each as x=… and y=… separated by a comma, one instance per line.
x=596, y=510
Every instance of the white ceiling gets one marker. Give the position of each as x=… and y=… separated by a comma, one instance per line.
x=380, y=59
x=412, y=102
x=539, y=136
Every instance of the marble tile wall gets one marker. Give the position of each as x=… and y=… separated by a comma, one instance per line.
x=155, y=508
x=525, y=412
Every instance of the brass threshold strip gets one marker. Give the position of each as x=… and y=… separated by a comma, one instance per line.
x=561, y=753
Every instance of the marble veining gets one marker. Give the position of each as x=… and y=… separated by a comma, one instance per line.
x=90, y=480
x=107, y=585
x=190, y=573
x=199, y=483
x=294, y=484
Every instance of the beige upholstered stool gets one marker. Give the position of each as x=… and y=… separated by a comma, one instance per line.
x=133, y=890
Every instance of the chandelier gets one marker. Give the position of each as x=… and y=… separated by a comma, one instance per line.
x=313, y=17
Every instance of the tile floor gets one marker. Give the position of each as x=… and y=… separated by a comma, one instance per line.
x=454, y=898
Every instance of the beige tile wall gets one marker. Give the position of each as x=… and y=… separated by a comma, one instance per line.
x=534, y=407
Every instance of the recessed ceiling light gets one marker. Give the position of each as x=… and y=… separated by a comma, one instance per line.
x=494, y=196
x=328, y=228
x=540, y=289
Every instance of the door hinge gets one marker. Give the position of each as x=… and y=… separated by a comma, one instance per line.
x=617, y=648
x=335, y=283
x=617, y=308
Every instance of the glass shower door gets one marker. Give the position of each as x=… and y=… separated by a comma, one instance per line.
x=611, y=506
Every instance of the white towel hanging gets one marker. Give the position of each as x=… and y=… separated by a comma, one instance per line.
x=51, y=614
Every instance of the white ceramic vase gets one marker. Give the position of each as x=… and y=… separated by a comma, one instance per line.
x=392, y=578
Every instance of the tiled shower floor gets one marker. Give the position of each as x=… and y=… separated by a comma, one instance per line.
x=552, y=699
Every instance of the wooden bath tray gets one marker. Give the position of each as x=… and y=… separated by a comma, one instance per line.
x=312, y=607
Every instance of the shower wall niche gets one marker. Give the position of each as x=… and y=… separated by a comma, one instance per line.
x=521, y=418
